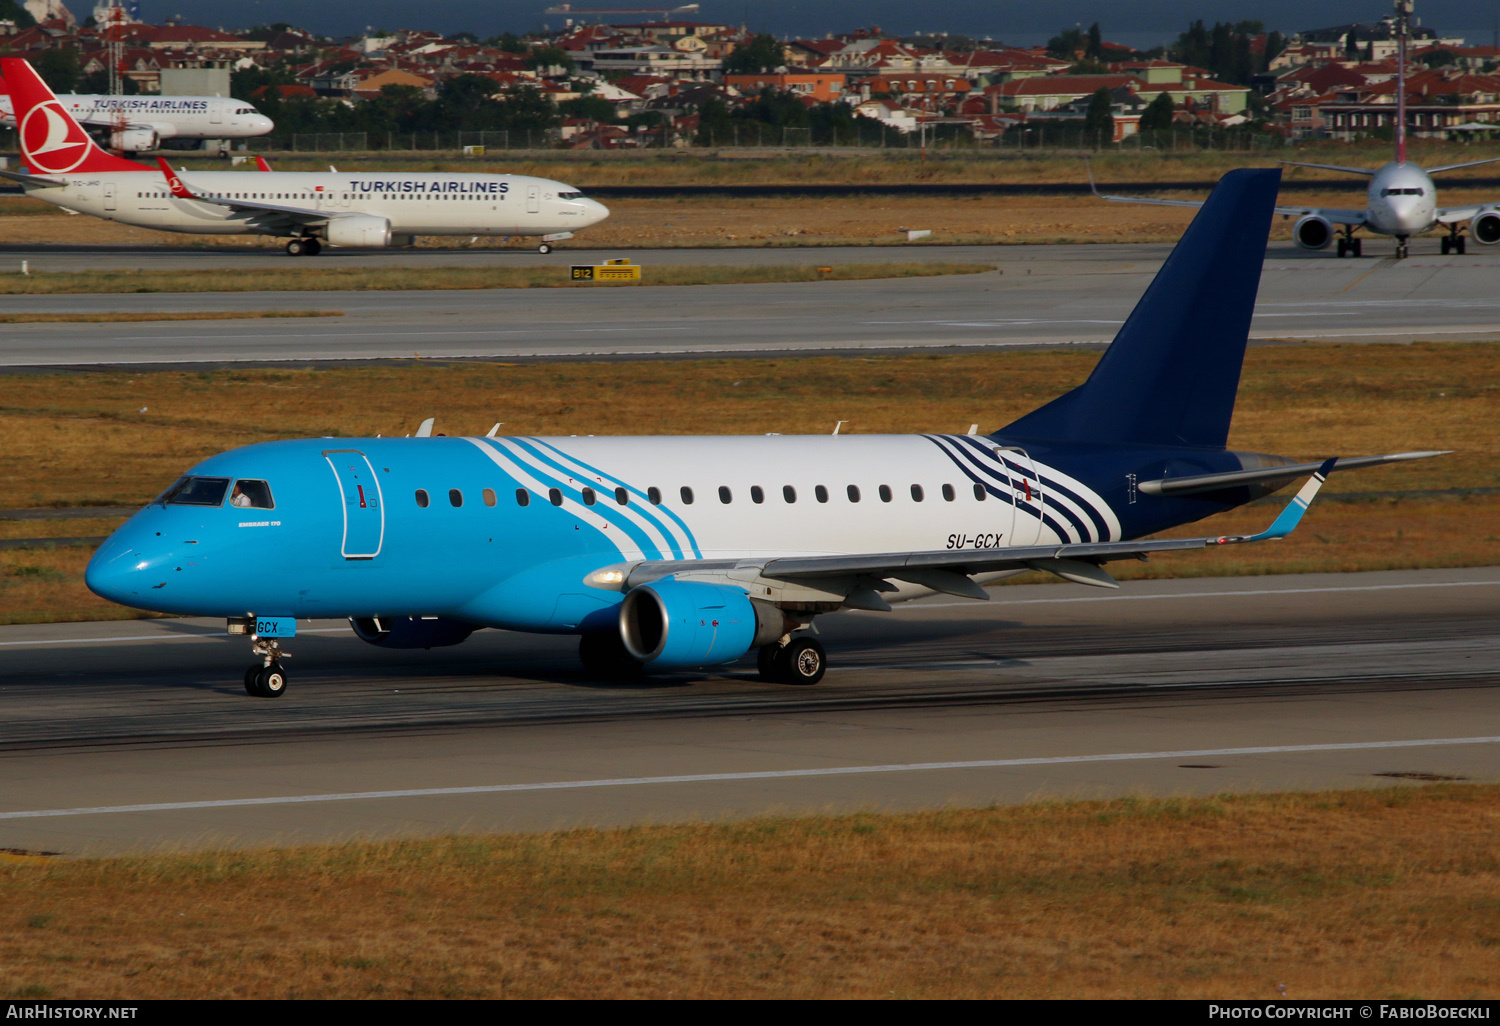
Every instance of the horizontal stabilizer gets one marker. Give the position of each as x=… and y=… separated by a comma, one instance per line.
x=1190, y=484
x=34, y=181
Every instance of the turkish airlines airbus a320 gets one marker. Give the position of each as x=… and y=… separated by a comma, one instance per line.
x=63, y=166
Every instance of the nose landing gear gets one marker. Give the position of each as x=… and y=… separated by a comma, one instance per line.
x=267, y=678
x=1401, y=252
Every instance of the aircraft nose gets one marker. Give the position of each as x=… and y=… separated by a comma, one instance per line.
x=261, y=124
x=594, y=211
x=120, y=568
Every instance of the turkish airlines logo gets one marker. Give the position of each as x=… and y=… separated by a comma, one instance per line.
x=175, y=184
x=51, y=140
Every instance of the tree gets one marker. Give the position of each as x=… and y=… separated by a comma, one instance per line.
x=13, y=11
x=714, y=123
x=508, y=42
x=594, y=108
x=60, y=69
x=762, y=54
x=1157, y=116
x=550, y=57
x=1094, y=49
x=1099, y=117
x=1438, y=58
x=1065, y=44
x=1275, y=43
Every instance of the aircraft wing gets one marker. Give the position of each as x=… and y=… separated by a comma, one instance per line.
x=1328, y=214
x=295, y=215
x=949, y=570
x=35, y=181
x=1448, y=215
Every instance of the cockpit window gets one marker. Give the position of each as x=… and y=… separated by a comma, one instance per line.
x=1401, y=192
x=570, y=195
x=251, y=494
x=196, y=491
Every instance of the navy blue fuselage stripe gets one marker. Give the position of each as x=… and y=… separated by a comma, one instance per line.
x=970, y=472
x=651, y=512
x=1101, y=528
x=1037, y=510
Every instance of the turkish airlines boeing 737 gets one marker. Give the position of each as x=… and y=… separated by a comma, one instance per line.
x=65, y=167
x=678, y=553
x=1401, y=200
x=139, y=123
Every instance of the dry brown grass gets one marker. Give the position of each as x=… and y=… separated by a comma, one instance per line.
x=78, y=439
x=1367, y=894
x=205, y=315
x=335, y=279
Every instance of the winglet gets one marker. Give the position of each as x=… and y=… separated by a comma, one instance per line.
x=260, y=162
x=173, y=181
x=1292, y=515
x=1089, y=169
x=424, y=430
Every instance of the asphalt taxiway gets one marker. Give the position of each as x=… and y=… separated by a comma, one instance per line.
x=134, y=735
x=1039, y=296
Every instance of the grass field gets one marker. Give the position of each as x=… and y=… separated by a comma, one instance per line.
x=1365, y=894
x=335, y=279
x=81, y=439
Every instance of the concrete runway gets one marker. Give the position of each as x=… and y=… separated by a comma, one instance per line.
x=135, y=735
x=1039, y=296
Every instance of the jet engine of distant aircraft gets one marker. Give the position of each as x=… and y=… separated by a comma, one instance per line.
x=1312, y=232
x=1486, y=228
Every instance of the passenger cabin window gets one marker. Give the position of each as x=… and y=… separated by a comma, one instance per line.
x=523, y=497
x=422, y=499
x=654, y=494
x=948, y=493
x=555, y=495
x=588, y=496
x=789, y=493
x=885, y=493
x=853, y=491
x=455, y=497
x=489, y=496
x=916, y=493
x=979, y=492
x=724, y=495
x=757, y=494
x=196, y=491
x=622, y=497
x=820, y=493
x=251, y=494
x=687, y=496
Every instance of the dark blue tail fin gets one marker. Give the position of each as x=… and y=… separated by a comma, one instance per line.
x=1171, y=374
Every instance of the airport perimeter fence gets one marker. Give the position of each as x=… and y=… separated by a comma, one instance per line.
x=369, y=142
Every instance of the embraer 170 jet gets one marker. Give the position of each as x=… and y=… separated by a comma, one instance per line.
x=1401, y=200
x=138, y=123
x=65, y=167
x=680, y=553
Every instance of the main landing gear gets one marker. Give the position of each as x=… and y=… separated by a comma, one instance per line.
x=799, y=661
x=1349, y=245
x=544, y=249
x=267, y=678
x=1454, y=241
x=304, y=247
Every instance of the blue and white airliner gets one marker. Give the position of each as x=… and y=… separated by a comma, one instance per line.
x=667, y=553
x=63, y=166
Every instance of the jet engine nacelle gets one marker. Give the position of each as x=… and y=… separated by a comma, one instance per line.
x=1312, y=232
x=411, y=631
x=359, y=230
x=1485, y=228
x=671, y=624
x=133, y=140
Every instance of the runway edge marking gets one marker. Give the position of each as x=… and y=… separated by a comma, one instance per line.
x=700, y=778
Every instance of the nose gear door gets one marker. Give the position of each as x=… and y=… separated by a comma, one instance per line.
x=364, y=506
